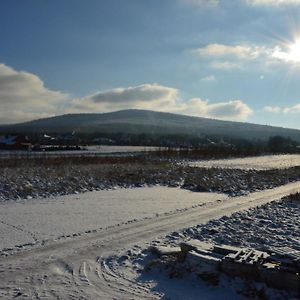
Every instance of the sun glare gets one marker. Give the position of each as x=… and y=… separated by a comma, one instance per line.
x=289, y=52
x=294, y=51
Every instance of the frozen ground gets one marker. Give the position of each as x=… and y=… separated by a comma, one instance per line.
x=128, y=269
x=120, y=149
x=275, y=224
x=43, y=178
x=258, y=163
x=34, y=221
x=89, y=151
x=94, y=266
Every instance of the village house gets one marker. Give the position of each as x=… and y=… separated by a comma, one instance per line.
x=14, y=142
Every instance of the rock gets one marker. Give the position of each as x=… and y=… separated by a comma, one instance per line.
x=165, y=250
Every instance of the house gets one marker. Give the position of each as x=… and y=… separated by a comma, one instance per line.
x=14, y=142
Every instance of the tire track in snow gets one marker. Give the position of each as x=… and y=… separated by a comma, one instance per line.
x=93, y=276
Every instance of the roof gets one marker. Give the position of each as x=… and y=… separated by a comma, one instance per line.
x=8, y=140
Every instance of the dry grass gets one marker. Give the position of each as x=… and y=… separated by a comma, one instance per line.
x=294, y=197
x=43, y=177
x=76, y=160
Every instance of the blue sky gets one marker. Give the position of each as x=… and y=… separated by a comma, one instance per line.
x=233, y=60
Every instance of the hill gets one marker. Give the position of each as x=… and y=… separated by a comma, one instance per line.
x=148, y=122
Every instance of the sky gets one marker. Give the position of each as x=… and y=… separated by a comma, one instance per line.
x=224, y=59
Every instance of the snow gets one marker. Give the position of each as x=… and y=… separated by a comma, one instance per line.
x=58, y=217
x=89, y=151
x=12, y=236
x=274, y=224
x=99, y=266
x=120, y=149
x=157, y=284
x=266, y=162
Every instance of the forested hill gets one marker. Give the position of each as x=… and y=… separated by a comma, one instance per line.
x=148, y=122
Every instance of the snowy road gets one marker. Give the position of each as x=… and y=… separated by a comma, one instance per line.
x=75, y=268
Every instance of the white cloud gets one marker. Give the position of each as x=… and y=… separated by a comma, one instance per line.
x=141, y=93
x=286, y=110
x=145, y=96
x=235, y=110
x=273, y=2
x=160, y=98
x=225, y=65
x=237, y=51
x=201, y=3
x=290, y=53
x=228, y=57
x=292, y=109
x=23, y=96
x=273, y=109
x=216, y=3
x=209, y=78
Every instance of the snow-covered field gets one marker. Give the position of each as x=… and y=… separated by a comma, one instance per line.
x=267, y=162
x=98, y=265
x=21, y=179
x=94, y=245
x=275, y=224
x=34, y=221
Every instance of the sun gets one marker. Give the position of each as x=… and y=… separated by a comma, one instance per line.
x=289, y=51
x=293, y=54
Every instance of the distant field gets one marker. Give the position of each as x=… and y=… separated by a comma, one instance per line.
x=90, y=151
x=258, y=163
x=118, y=149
